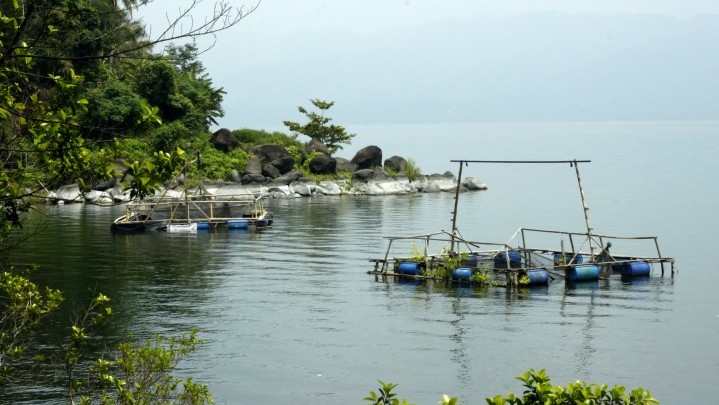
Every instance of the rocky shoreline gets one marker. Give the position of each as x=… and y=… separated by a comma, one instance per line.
x=380, y=184
x=270, y=173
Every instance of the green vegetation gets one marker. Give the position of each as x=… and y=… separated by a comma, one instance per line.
x=332, y=136
x=385, y=396
x=412, y=170
x=538, y=390
x=130, y=374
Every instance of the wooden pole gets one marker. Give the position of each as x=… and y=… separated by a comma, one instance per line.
x=456, y=203
x=586, y=209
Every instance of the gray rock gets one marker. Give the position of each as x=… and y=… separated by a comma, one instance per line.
x=323, y=164
x=368, y=157
x=284, y=164
x=364, y=175
x=283, y=190
x=328, y=188
x=387, y=187
x=473, y=184
x=316, y=146
x=235, y=176
x=69, y=193
x=270, y=171
x=270, y=152
x=98, y=197
x=344, y=165
x=254, y=165
x=305, y=190
x=395, y=163
x=440, y=183
x=252, y=179
x=288, y=177
x=224, y=140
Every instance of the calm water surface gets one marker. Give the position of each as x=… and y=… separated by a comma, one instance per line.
x=291, y=316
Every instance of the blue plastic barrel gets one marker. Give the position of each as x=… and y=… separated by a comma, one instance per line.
x=462, y=273
x=470, y=261
x=238, y=224
x=560, y=259
x=203, y=226
x=538, y=276
x=582, y=273
x=640, y=268
x=409, y=268
x=515, y=260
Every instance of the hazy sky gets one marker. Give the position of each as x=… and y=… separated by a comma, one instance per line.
x=352, y=52
x=282, y=16
x=370, y=15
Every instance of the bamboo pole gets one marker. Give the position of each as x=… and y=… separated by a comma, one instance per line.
x=586, y=209
x=456, y=203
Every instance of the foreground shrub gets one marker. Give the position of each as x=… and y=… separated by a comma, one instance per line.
x=539, y=391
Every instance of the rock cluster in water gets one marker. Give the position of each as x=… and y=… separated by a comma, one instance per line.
x=270, y=173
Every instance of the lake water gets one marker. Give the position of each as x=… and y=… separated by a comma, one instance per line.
x=290, y=314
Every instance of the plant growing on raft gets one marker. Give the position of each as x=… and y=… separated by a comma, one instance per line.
x=482, y=277
x=417, y=253
x=449, y=262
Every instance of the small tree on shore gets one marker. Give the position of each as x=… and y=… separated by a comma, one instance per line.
x=332, y=136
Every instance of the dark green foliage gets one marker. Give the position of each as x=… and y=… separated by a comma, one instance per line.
x=114, y=110
x=252, y=137
x=217, y=165
x=155, y=81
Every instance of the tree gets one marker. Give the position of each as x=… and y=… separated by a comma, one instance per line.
x=333, y=136
x=48, y=50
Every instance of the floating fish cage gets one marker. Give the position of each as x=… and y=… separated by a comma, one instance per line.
x=512, y=263
x=577, y=257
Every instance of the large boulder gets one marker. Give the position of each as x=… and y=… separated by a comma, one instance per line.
x=327, y=187
x=323, y=164
x=270, y=171
x=368, y=157
x=395, y=164
x=252, y=179
x=288, y=177
x=69, y=193
x=470, y=183
x=316, y=146
x=270, y=152
x=344, y=165
x=224, y=140
x=254, y=166
x=284, y=164
x=363, y=175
